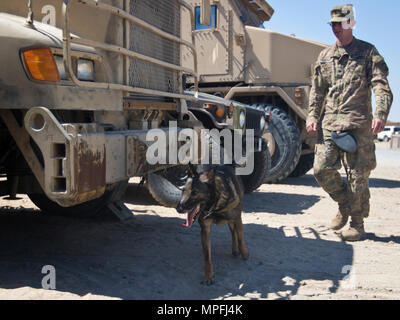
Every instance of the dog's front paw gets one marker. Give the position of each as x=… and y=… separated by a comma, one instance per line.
x=245, y=254
x=208, y=280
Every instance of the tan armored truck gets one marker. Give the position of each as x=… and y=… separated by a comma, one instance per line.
x=240, y=60
x=82, y=83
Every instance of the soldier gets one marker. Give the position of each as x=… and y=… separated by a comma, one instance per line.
x=340, y=105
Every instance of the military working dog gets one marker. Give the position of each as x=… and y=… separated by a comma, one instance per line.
x=214, y=196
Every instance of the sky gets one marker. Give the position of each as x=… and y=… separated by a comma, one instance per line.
x=377, y=22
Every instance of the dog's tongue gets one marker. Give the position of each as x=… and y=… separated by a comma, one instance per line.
x=189, y=221
x=189, y=218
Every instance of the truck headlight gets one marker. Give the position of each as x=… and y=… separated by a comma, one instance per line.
x=40, y=64
x=242, y=119
x=85, y=70
x=262, y=123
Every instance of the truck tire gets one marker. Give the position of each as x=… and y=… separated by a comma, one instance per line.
x=166, y=185
x=305, y=164
x=90, y=209
x=287, y=144
x=262, y=165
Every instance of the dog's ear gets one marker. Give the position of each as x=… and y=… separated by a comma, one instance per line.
x=191, y=170
x=208, y=176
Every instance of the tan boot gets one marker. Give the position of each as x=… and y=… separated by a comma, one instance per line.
x=356, y=231
x=341, y=218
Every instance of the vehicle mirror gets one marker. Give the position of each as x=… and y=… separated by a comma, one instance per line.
x=205, y=16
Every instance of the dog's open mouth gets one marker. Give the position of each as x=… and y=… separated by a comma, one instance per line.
x=191, y=216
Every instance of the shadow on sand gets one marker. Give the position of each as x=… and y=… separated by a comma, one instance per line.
x=274, y=202
x=153, y=257
x=383, y=183
x=306, y=180
x=309, y=181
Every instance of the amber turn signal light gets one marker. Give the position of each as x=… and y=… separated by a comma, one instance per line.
x=41, y=65
x=298, y=96
x=220, y=112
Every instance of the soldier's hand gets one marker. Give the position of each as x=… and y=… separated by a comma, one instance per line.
x=312, y=127
x=377, y=125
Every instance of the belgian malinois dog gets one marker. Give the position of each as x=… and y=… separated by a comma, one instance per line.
x=214, y=196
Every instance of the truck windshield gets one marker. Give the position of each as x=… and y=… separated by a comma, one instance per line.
x=213, y=20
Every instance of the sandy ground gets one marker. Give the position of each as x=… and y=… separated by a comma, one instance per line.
x=292, y=253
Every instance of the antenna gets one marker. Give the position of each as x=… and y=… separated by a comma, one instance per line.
x=29, y=19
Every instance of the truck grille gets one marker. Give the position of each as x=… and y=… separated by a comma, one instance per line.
x=165, y=15
x=253, y=120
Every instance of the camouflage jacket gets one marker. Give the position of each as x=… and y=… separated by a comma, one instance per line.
x=341, y=87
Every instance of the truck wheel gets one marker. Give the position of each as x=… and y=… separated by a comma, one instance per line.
x=306, y=162
x=90, y=209
x=262, y=165
x=166, y=185
x=287, y=144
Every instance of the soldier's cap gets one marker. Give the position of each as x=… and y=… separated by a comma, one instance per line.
x=342, y=13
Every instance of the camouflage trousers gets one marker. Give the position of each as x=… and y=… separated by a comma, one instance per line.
x=358, y=166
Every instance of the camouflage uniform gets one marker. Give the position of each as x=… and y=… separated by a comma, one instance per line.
x=340, y=100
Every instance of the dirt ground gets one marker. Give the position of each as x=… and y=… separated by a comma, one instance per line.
x=292, y=253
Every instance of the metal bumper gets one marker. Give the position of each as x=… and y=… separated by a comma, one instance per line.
x=78, y=160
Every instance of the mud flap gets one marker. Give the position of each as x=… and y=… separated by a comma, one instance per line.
x=116, y=206
x=119, y=209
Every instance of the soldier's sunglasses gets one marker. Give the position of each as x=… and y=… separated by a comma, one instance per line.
x=334, y=24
